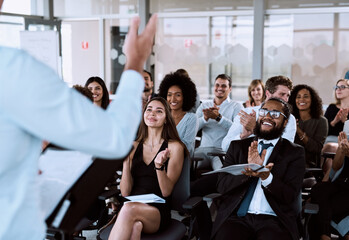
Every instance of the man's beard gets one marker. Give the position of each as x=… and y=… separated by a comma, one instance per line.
x=276, y=132
x=146, y=89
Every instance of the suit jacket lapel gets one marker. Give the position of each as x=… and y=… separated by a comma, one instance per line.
x=274, y=154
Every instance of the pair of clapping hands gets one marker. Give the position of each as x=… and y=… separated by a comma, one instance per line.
x=341, y=115
x=212, y=112
x=254, y=157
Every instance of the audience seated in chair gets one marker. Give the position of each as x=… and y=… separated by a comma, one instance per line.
x=215, y=118
x=336, y=113
x=153, y=166
x=312, y=127
x=256, y=94
x=270, y=207
x=244, y=123
x=332, y=196
x=100, y=92
x=180, y=93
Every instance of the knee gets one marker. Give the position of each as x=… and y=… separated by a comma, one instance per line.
x=330, y=147
x=129, y=211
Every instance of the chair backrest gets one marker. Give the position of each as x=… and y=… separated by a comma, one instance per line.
x=181, y=191
x=81, y=196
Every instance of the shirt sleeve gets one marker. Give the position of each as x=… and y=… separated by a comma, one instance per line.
x=291, y=128
x=39, y=102
x=190, y=132
x=200, y=116
x=233, y=133
x=226, y=122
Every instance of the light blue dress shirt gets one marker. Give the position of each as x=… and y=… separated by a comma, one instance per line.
x=36, y=104
x=213, y=132
x=187, y=129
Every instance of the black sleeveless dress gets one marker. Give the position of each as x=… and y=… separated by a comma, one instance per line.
x=145, y=181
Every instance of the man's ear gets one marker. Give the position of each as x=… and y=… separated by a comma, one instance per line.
x=267, y=94
x=285, y=122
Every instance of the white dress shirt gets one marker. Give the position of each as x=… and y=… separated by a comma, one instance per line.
x=36, y=104
x=236, y=128
x=259, y=204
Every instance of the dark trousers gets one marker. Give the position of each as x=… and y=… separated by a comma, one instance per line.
x=199, y=188
x=253, y=227
x=333, y=199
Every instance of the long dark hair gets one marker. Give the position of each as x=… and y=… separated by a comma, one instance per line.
x=316, y=101
x=105, y=98
x=169, y=131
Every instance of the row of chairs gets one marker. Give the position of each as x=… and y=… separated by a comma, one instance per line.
x=69, y=216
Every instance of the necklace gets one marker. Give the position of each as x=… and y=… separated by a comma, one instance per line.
x=151, y=146
x=178, y=116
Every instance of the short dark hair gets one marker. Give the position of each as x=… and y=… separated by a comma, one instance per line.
x=105, y=98
x=286, y=108
x=84, y=91
x=316, y=102
x=273, y=82
x=184, y=83
x=183, y=72
x=151, y=77
x=225, y=77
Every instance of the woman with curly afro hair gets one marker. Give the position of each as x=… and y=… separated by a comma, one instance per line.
x=180, y=93
x=312, y=126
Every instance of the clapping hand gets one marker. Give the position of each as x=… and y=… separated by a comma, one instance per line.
x=161, y=158
x=211, y=112
x=254, y=157
x=253, y=154
x=248, y=121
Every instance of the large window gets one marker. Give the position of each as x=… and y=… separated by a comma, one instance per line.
x=310, y=48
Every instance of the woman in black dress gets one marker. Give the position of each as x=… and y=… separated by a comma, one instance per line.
x=153, y=166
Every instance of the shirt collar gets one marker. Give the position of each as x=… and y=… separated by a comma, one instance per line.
x=273, y=141
x=227, y=100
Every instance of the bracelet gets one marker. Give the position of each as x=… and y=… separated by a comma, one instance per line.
x=160, y=168
x=302, y=137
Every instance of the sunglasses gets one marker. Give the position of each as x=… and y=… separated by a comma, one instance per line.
x=340, y=87
x=273, y=113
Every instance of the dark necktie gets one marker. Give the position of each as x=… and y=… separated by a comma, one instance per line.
x=249, y=194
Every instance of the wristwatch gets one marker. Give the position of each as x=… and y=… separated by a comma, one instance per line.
x=219, y=117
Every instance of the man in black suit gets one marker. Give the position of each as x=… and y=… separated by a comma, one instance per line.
x=262, y=205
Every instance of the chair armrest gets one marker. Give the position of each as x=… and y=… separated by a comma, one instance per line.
x=108, y=194
x=191, y=203
x=211, y=197
x=328, y=154
x=311, y=208
x=313, y=170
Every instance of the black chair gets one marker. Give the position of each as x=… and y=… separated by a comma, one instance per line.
x=180, y=194
x=74, y=206
x=339, y=228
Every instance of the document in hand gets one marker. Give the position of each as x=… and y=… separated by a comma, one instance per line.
x=145, y=198
x=238, y=168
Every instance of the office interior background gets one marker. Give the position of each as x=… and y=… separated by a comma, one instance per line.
x=306, y=40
